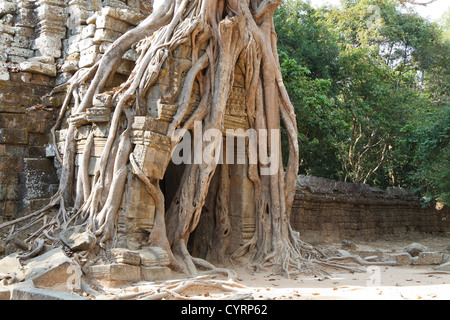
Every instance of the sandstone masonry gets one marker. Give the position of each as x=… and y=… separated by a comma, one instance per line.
x=327, y=210
x=44, y=42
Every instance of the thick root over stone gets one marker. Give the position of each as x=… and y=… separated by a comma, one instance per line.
x=231, y=31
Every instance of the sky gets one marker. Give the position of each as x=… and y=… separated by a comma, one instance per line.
x=432, y=11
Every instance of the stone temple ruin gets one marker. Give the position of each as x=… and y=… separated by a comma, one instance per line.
x=42, y=44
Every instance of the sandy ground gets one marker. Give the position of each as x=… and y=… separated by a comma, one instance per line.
x=373, y=283
x=378, y=283
x=395, y=283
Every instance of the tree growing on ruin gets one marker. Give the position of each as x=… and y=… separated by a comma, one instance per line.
x=230, y=30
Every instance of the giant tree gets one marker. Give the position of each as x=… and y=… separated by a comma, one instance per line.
x=230, y=30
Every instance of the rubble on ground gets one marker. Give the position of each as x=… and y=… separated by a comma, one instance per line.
x=55, y=276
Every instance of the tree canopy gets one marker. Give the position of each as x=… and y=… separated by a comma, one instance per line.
x=369, y=81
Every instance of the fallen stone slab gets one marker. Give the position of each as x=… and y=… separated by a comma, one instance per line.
x=30, y=293
x=115, y=274
x=443, y=267
x=403, y=259
x=156, y=273
x=52, y=270
x=38, y=67
x=77, y=239
x=5, y=294
x=370, y=253
x=11, y=265
x=415, y=248
x=428, y=258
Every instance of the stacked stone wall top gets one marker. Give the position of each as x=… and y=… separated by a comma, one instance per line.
x=327, y=210
x=42, y=44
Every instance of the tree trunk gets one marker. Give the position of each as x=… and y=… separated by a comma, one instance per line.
x=230, y=30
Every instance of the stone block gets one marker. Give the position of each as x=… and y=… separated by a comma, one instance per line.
x=36, y=125
x=88, y=56
x=30, y=293
x=9, y=186
x=21, y=52
x=77, y=239
x=9, y=120
x=6, y=39
x=10, y=264
x=98, y=114
x=77, y=16
x=116, y=274
x=86, y=44
x=7, y=150
x=23, y=31
x=13, y=136
x=48, y=46
x=152, y=159
x=94, y=165
x=5, y=294
x=125, y=68
x=51, y=270
x=130, y=55
x=403, y=259
x=8, y=210
x=104, y=46
x=21, y=41
x=4, y=73
x=125, y=256
x=7, y=7
x=102, y=35
x=154, y=257
x=128, y=16
x=6, y=29
x=156, y=273
x=71, y=44
x=88, y=31
x=414, y=249
x=39, y=183
x=110, y=23
x=429, y=258
x=47, y=10
x=102, y=100
x=38, y=67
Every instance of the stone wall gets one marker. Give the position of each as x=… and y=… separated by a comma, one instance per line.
x=42, y=44
x=326, y=210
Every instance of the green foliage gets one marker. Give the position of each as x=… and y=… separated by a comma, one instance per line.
x=369, y=81
x=316, y=121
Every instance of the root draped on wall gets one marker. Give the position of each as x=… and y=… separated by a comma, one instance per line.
x=231, y=31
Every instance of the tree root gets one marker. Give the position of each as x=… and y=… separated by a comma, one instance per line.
x=198, y=288
x=229, y=30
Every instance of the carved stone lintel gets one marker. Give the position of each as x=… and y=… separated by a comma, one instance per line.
x=78, y=120
x=166, y=112
x=152, y=152
x=98, y=114
x=102, y=100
